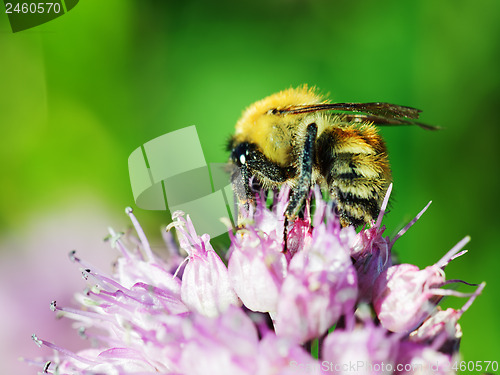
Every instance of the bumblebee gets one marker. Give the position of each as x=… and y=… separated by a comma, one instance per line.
x=298, y=138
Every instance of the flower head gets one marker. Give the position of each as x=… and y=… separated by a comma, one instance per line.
x=260, y=314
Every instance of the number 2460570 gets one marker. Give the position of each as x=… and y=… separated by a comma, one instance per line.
x=33, y=8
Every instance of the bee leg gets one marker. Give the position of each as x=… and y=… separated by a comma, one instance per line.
x=243, y=190
x=306, y=158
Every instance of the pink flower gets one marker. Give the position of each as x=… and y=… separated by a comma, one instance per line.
x=321, y=283
x=34, y=268
x=257, y=265
x=227, y=344
x=441, y=330
x=205, y=281
x=418, y=359
x=404, y=296
x=257, y=268
x=278, y=355
x=184, y=315
x=366, y=349
x=372, y=253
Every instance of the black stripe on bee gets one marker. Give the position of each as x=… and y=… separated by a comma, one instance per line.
x=349, y=176
x=352, y=200
x=349, y=202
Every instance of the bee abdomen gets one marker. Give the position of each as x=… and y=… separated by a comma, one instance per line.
x=354, y=210
x=357, y=181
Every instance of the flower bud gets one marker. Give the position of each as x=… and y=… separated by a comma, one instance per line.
x=418, y=359
x=404, y=296
x=205, y=282
x=256, y=269
x=441, y=330
x=365, y=350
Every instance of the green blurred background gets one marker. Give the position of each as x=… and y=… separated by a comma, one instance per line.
x=80, y=93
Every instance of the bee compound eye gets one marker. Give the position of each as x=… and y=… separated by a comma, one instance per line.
x=239, y=154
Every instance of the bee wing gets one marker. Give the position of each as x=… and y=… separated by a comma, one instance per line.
x=379, y=120
x=378, y=113
x=390, y=111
